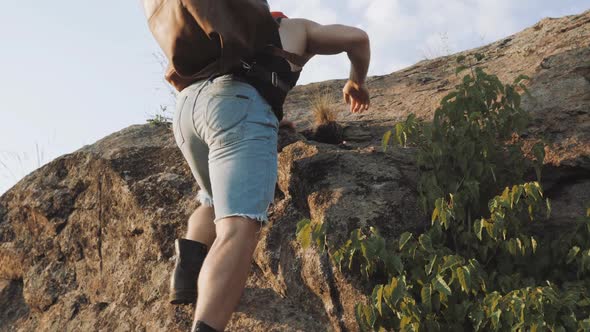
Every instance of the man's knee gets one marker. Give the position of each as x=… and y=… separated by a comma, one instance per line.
x=239, y=228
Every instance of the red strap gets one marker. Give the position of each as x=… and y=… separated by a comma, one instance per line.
x=276, y=15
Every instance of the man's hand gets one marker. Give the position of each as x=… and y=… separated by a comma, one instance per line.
x=357, y=96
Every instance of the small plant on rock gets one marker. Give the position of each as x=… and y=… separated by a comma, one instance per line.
x=163, y=117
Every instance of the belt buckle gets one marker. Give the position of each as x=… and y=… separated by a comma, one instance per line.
x=247, y=66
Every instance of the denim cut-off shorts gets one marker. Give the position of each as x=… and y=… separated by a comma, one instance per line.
x=228, y=134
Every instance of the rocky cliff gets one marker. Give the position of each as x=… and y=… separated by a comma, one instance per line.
x=86, y=242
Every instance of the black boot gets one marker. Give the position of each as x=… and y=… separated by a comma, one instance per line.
x=200, y=326
x=189, y=259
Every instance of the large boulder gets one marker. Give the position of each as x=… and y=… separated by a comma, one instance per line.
x=86, y=242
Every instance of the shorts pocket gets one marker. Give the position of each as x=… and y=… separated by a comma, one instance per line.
x=261, y=122
x=224, y=118
x=177, y=121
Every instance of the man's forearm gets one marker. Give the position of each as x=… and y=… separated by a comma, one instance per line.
x=360, y=57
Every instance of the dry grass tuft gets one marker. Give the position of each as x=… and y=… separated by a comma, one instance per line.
x=322, y=109
x=325, y=127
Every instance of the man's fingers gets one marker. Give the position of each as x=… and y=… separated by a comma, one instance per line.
x=357, y=107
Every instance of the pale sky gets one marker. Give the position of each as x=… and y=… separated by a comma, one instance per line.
x=74, y=71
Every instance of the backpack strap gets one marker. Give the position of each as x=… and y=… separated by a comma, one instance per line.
x=257, y=72
x=278, y=51
x=295, y=59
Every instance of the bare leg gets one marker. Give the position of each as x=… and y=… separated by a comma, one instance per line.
x=201, y=227
x=225, y=270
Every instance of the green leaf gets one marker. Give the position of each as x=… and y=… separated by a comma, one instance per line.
x=464, y=277
x=517, y=193
x=393, y=292
x=520, y=247
x=404, y=238
x=393, y=263
x=339, y=255
x=571, y=256
x=379, y=298
x=301, y=224
x=386, y=139
x=430, y=265
x=511, y=246
x=495, y=318
x=304, y=233
x=441, y=285
x=365, y=316
x=426, y=242
x=355, y=237
x=400, y=134
x=426, y=295
x=461, y=58
x=477, y=228
x=479, y=56
x=451, y=262
x=318, y=235
x=435, y=214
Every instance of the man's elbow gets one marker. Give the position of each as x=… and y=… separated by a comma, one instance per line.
x=359, y=46
x=360, y=39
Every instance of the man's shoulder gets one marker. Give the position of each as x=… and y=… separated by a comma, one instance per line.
x=297, y=22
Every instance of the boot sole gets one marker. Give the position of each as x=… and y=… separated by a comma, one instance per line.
x=183, y=296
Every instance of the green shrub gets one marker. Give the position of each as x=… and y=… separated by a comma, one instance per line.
x=163, y=117
x=479, y=266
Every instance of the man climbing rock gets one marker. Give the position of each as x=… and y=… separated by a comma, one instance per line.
x=228, y=113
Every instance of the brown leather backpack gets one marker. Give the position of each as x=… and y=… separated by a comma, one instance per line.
x=201, y=38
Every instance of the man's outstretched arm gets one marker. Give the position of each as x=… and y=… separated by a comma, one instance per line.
x=335, y=39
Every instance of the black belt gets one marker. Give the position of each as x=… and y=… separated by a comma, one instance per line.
x=260, y=73
x=249, y=72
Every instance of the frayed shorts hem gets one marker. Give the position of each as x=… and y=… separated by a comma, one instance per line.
x=261, y=217
x=205, y=199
